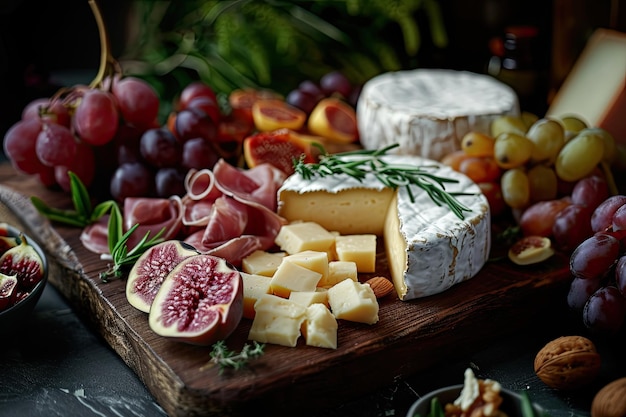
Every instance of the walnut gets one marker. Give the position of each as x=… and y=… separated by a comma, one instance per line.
x=568, y=362
x=610, y=401
x=479, y=398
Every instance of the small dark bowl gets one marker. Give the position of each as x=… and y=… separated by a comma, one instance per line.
x=16, y=315
x=511, y=401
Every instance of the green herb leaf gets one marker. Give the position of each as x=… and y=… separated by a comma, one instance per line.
x=226, y=358
x=357, y=164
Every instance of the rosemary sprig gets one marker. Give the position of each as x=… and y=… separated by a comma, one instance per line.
x=83, y=214
x=226, y=358
x=357, y=164
x=118, y=248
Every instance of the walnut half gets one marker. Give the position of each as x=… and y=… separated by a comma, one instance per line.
x=568, y=362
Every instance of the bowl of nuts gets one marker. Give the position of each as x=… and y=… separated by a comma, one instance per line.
x=23, y=277
x=476, y=397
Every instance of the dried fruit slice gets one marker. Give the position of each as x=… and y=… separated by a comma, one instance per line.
x=335, y=120
x=200, y=301
x=24, y=262
x=241, y=102
x=279, y=148
x=147, y=274
x=531, y=250
x=8, y=284
x=276, y=114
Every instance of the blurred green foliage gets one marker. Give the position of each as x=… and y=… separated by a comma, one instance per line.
x=275, y=44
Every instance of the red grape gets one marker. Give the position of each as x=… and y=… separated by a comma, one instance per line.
x=595, y=256
x=83, y=165
x=192, y=123
x=208, y=106
x=137, y=101
x=605, y=310
x=160, y=148
x=538, y=219
x=619, y=219
x=579, y=292
x=336, y=82
x=52, y=112
x=169, y=182
x=55, y=145
x=132, y=180
x=590, y=191
x=311, y=88
x=20, y=143
x=620, y=274
x=198, y=154
x=96, y=117
x=572, y=226
x=602, y=217
x=194, y=90
x=303, y=100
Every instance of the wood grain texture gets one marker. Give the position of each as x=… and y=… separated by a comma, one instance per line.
x=410, y=336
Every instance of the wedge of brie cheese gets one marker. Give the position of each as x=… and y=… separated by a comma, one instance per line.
x=429, y=248
x=428, y=111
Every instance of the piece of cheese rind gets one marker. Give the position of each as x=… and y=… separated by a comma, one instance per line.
x=353, y=301
x=320, y=327
x=429, y=249
x=277, y=320
x=428, y=111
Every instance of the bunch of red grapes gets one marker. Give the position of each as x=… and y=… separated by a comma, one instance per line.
x=112, y=133
x=598, y=266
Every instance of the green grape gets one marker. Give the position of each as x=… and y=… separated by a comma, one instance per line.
x=548, y=136
x=543, y=183
x=572, y=125
x=512, y=150
x=515, y=188
x=477, y=144
x=580, y=156
x=508, y=124
x=610, y=148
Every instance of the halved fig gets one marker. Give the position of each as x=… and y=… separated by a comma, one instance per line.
x=200, y=302
x=334, y=119
x=6, y=243
x=531, y=250
x=276, y=114
x=24, y=262
x=279, y=148
x=8, y=284
x=147, y=274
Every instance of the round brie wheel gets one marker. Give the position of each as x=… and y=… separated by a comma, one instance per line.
x=428, y=111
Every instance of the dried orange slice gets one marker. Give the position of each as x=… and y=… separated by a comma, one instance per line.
x=279, y=148
x=335, y=120
x=270, y=115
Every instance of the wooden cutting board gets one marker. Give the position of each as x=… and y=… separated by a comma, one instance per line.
x=410, y=336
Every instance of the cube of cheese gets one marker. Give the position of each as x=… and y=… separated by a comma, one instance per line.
x=360, y=249
x=254, y=286
x=306, y=298
x=277, y=321
x=297, y=237
x=292, y=277
x=310, y=259
x=338, y=271
x=262, y=263
x=353, y=301
x=320, y=327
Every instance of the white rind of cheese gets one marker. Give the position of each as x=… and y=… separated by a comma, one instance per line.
x=429, y=249
x=428, y=111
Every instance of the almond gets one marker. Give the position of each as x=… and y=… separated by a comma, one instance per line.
x=381, y=286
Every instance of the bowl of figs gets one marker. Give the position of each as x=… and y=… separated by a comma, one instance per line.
x=23, y=277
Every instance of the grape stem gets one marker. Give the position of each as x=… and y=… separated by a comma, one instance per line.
x=106, y=58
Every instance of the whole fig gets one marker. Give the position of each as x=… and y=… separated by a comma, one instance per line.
x=200, y=302
x=147, y=274
x=24, y=262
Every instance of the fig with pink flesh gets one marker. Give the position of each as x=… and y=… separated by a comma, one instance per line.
x=8, y=284
x=6, y=243
x=147, y=274
x=24, y=262
x=200, y=302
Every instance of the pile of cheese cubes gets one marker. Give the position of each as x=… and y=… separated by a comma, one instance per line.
x=304, y=289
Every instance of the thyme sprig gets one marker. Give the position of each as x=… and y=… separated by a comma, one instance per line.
x=226, y=358
x=357, y=164
x=118, y=245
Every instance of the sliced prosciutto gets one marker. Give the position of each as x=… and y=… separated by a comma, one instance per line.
x=153, y=215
